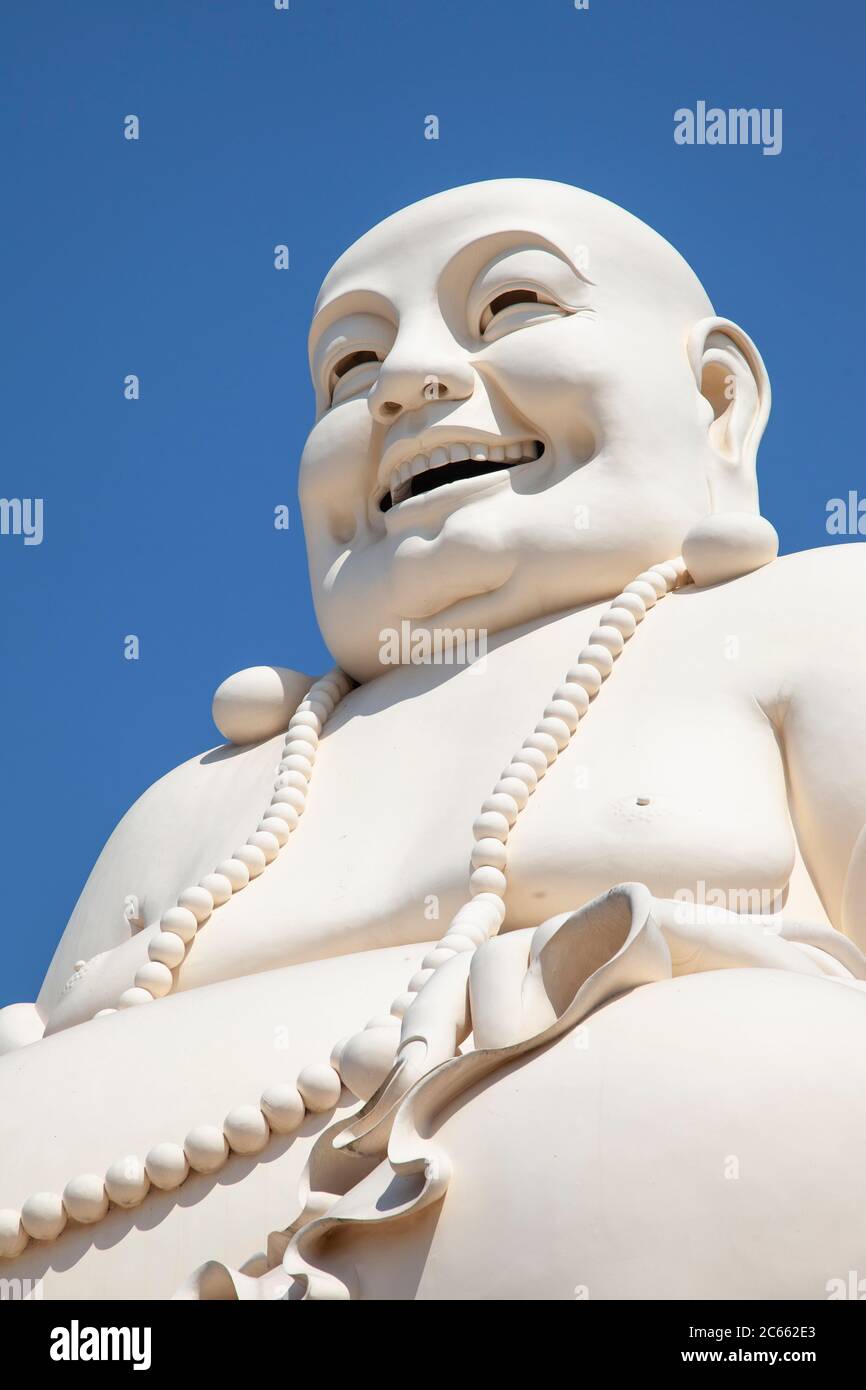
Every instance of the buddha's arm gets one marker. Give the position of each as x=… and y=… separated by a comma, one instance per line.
x=821, y=721
x=173, y=835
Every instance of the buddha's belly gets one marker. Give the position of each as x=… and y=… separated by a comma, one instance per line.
x=702, y=1139
x=76, y=1103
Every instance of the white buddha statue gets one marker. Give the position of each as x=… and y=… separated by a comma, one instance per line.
x=488, y=978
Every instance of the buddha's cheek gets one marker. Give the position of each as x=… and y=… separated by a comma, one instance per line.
x=553, y=375
x=336, y=476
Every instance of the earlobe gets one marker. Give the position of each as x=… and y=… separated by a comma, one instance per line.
x=733, y=381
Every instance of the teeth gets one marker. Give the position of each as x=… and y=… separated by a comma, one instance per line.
x=401, y=478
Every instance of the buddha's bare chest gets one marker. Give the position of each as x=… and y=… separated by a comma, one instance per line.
x=673, y=783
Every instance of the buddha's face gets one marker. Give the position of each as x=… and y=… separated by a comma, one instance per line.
x=507, y=422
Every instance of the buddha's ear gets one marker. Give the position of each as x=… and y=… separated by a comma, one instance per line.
x=733, y=380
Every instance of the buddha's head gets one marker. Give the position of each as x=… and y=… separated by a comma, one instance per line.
x=523, y=399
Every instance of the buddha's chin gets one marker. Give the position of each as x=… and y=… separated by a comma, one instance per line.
x=431, y=589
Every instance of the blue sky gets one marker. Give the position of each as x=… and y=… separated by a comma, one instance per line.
x=156, y=258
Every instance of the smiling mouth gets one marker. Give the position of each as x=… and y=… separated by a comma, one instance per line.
x=453, y=464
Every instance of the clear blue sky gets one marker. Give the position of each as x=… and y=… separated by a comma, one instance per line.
x=156, y=257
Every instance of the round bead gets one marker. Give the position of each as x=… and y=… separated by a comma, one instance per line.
x=126, y=1182
x=489, y=902
x=489, y=852
x=267, y=843
x=103, y=1013
x=293, y=763
x=647, y=592
x=337, y=1053
x=292, y=797
x=633, y=604
x=167, y=1166
x=565, y=710
x=326, y=692
x=246, y=1129
x=599, y=657
x=558, y=729
x=219, y=886
x=477, y=932
x=668, y=573
x=237, y=873
x=320, y=1086
x=655, y=581
x=490, y=825
x=418, y=981
x=198, y=901
x=367, y=1059
x=181, y=921
x=206, y=1148
x=485, y=912
x=252, y=856
x=298, y=747
x=444, y=951
x=402, y=1002
x=364, y=1062
x=457, y=942
x=281, y=810
x=283, y=1107
x=292, y=779
x=130, y=997
x=167, y=948
x=276, y=826
x=543, y=743
x=320, y=708
x=525, y=771
x=609, y=637
x=13, y=1237
x=43, y=1216
x=85, y=1198
x=155, y=978
x=487, y=880
x=515, y=788
x=532, y=755
x=621, y=619
x=503, y=805
x=306, y=720
x=585, y=675
x=573, y=695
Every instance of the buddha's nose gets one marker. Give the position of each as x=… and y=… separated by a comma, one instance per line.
x=418, y=371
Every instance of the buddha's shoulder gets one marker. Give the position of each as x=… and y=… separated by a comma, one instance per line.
x=802, y=580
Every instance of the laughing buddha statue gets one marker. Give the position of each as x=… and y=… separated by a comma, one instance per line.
x=539, y=975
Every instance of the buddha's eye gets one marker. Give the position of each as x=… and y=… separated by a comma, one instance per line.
x=352, y=374
x=514, y=308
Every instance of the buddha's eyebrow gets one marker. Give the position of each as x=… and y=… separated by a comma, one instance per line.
x=354, y=301
x=507, y=242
